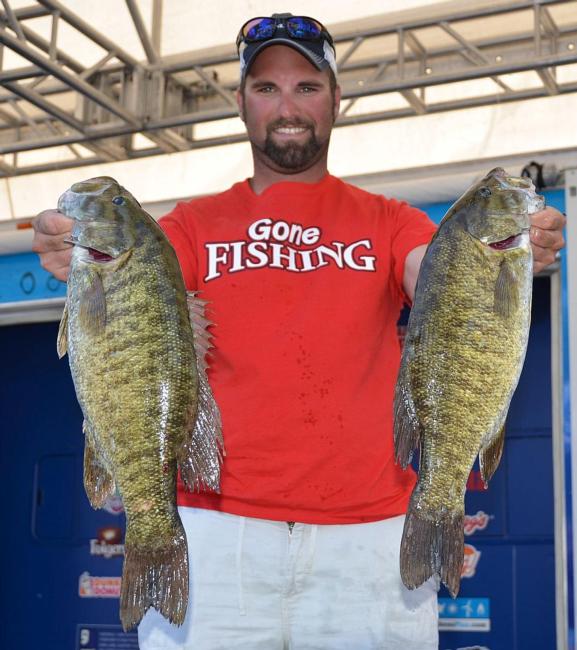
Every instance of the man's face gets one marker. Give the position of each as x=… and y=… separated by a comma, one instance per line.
x=288, y=108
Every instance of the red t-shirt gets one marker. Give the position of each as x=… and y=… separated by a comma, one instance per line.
x=304, y=284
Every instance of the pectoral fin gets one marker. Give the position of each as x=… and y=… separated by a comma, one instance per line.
x=98, y=481
x=92, y=308
x=62, y=338
x=490, y=454
x=506, y=291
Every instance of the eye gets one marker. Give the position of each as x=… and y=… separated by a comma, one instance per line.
x=118, y=200
x=485, y=192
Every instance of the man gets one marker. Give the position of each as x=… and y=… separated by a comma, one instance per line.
x=305, y=276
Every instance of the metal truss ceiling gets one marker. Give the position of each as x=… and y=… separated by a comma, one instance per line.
x=55, y=101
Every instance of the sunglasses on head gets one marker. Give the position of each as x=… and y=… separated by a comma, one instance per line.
x=300, y=28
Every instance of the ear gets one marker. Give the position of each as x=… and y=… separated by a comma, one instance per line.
x=337, y=105
x=240, y=102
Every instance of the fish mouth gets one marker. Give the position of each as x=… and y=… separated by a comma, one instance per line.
x=90, y=254
x=98, y=256
x=514, y=241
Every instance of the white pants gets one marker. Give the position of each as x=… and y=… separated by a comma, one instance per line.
x=254, y=585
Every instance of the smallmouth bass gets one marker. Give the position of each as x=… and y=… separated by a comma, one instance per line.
x=462, y=359
x=139, y=375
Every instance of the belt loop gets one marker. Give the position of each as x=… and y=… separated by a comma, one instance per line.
x=241, y=525
x=312, y=543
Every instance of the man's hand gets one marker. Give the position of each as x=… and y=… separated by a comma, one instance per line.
x=546, y=236
x=51, y=228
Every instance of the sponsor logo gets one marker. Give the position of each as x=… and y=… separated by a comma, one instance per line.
x=470, y=562
x=286, y=246
x=473, y=523
x=98, y=586
x=475, y=483
x=465, y=615
x=108, y=543
x=113, y=505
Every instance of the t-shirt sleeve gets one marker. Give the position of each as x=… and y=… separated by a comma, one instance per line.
x=412, y=228
x=177, y=225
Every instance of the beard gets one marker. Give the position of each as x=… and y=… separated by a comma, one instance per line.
x=292, y=156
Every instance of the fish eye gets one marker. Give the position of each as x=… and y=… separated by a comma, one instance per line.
x=485, y=192
x=118, y=200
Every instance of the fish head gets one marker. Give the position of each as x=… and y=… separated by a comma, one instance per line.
x=104, y=227
x=496, y=210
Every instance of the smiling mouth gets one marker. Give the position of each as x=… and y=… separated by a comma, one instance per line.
x=291, y=130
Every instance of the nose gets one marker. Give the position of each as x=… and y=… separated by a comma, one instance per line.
x=287, y=106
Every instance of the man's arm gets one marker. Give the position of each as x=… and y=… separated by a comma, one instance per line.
x=546, y=236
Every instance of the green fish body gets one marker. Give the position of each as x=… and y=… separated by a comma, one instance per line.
x=134, y=361
x=463, y=355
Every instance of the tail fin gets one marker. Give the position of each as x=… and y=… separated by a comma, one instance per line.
x=155, y=578
x=432, y=546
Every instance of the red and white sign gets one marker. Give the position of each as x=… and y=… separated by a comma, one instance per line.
x=108, y=543
x=470, y=561
x=473, y=523
x=98, y=586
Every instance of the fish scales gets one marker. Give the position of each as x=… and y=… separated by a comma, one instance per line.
x=142, y=390
x=464, y=350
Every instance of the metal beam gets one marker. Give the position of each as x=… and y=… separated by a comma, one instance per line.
x=86, y=29
x=25, y=13
x=147, y=45
x=417, y=104
x=474, y=73
x=548, y=81
x=74, y=82
x=225, y=94
x=39, y=101
x=18, y=74
x=141, y=85
x=157, y=25
x=13, y=21
x=353, y=47
x=42, y=44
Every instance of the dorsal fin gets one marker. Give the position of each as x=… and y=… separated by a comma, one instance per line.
x=201, y=454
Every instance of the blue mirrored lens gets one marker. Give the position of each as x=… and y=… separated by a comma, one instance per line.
x=303, y=28
x=262, y=30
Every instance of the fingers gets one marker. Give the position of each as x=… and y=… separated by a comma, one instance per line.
x=51, y=229
x=548, y=219
x=57, y=263
x=546, y=235
x=547, y=238
x=542, y=258
x=52, y=222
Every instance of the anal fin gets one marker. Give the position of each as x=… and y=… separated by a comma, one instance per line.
x=490, y=454
x=407, y=434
